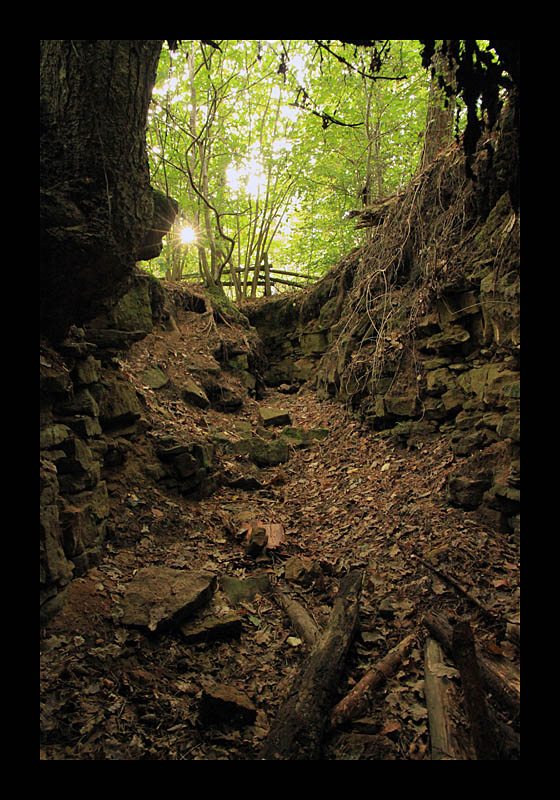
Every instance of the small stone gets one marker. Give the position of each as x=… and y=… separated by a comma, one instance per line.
x=155, y=378
x=268, y=453
x=274, y=416
x=467, y=492
x=301, y=570
x=256, y=541
x=240, y=590
x=226, y=704
x=194, y=395
x=218, y=622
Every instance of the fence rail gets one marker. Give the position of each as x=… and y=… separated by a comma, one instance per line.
x=261, y=281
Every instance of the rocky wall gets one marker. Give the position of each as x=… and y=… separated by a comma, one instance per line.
x=436, y=355
x=93, y=419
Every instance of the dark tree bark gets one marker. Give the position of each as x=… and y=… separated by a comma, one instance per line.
x=96, y=200
x=297, y=732
x=482, y=730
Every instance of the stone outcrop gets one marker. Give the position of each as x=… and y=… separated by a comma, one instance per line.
x=87, y=410
x=93, y=418
x=418, y=344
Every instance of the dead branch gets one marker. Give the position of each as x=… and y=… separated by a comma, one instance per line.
x=446, y=741
x=459, y=588
x=297, y=732
x=300, y=619
x=500, y=677
x=357, y=700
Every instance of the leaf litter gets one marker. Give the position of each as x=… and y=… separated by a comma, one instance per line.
x=113, y=693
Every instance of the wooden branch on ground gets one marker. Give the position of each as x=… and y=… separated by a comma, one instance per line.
x=482, y=730
x=297, y=732
x=300, y=619
x=459, y=587
x=356, y=702
x=499, y=677
x=446, y=741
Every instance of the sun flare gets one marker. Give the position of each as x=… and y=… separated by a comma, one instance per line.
x=187, y=235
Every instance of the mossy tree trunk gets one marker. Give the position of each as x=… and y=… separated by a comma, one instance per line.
x=96, y=199
x=441, y=109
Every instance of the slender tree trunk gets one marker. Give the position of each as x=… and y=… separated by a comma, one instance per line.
x=96, y=199
x=439, y=119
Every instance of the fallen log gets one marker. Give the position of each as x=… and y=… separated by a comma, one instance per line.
x=482, y=729
x=447, y=743
x=356, y=702
x=297, y=732
x=499, y=677
x=304, y=626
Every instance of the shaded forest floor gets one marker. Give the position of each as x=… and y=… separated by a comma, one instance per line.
x=351, y=500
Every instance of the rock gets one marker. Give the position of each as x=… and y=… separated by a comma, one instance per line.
x=118, y=403
x=402, y=406
x=194, y=395
x=503, y=498
x=86, y=371
x=439, y=381
x=240, y=362
x=299, y=437
x=304, y=368
x=133, y=312
x=112, y=339
x=54, y=435
x=274, y=416
x=158, y=598
x=287, y=388
x=226, y=704
x=318, y=433
x=313, y=342
x=257, y=540
x=301, y=570
x=242, y=591
x=268, y=453
x=509, y=427
x=451, y=337
x=494, y=384
x=217, y=622
x=155, y=378
x=467, y=492
x=281, y=371
x=81, y=404
x=225, y=398
x=212, y=628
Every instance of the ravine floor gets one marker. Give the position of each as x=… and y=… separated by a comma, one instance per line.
x=109, y=692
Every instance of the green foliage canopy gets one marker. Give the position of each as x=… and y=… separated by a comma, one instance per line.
x=269, y=145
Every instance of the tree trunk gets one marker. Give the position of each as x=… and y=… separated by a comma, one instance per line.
x=96, y=199
x=297, y=733
x=439, y=119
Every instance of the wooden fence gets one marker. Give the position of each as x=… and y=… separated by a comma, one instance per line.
x=267, y=280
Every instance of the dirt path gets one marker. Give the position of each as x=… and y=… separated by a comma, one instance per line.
x=114, y=693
